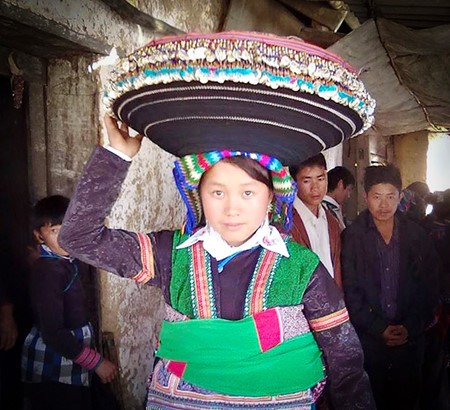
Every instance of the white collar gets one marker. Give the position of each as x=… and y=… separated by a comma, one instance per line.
x=306, y=214
x=266, y=236
x=332, y=201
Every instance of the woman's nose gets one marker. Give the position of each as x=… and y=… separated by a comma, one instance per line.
x=232, y=206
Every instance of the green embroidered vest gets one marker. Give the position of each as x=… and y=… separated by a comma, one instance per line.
x=283, y=283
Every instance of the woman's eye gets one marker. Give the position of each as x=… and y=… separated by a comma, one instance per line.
x=218, y=194
x=248, y=193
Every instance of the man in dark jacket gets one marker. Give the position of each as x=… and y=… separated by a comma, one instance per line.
x=390, y=272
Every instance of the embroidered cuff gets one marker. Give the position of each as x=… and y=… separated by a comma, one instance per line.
x=88, y=358
x=328, y=322
x=147, y=271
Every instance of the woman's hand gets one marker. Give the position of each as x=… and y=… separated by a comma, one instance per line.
x=119, y=137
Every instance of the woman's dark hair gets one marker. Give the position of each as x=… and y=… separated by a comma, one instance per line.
x=382, y=174
x=317, y=160
x=49, y=211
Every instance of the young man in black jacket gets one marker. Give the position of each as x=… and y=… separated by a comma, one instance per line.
x=390, y=272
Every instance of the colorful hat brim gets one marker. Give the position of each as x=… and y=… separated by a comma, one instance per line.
x=265, y=94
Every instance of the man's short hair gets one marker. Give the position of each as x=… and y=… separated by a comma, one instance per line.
x=382, y=174
x=339, y=173
x=316, y=160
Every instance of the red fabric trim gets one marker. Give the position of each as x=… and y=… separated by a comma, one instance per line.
x=147, y=271
x=88, y=358
x=268, y=327
x=177, y=368
x=201, y=281
x=329, y=321
x=256, y=301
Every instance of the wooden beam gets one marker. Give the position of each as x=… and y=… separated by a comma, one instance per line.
x=320, y=38
x=128, y=12
x=320, y=12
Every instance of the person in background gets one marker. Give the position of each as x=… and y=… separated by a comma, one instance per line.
x=436, y=367
x=413, y=202
x=58, y=355
x=313, y=225
x=340, y=185
x=390, y=276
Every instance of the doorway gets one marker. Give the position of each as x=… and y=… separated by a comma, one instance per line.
x=14, y=232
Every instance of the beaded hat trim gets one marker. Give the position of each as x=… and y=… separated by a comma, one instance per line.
x=242, y=58
x=239, y=91
x=189, y=169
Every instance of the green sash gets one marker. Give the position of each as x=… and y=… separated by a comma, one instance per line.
x=225, y=356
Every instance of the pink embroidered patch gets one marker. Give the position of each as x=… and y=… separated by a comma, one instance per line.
x=268, y=327
x=177, y=368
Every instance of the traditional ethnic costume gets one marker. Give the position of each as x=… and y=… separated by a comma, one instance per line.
x=262, y=325
x=58, y=354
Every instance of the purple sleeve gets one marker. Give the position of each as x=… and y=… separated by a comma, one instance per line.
x=83, y=233
x=348, y=385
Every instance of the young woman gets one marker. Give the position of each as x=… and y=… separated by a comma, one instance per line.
x=253, y=320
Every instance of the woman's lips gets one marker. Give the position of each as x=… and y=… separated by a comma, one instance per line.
x=233, y=226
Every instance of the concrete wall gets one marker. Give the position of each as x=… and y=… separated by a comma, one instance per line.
x=411, y=156
x=358, y=153
x=186, y=15
x=90, y=24
x=72, y=105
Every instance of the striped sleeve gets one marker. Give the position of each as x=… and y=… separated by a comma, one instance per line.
x=147, y=273
x=88, y=358
x=329, y=321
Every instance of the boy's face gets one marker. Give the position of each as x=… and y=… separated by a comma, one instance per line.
x=312, y=185
x=48, y=234
x=234, y=203
x=382, y=201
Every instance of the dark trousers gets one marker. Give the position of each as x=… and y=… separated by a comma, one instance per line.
x=435, y=379
x=56, y=396
x=395, y=374
x=10, y=385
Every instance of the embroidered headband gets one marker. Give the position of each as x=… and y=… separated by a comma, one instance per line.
x=189, y=169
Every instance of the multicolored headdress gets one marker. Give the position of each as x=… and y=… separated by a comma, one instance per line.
x=189, y=169
x=239, y=91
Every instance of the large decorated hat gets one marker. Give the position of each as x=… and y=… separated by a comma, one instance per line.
x=239, y=91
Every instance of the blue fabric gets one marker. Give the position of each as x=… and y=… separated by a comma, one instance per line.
x=221, y=264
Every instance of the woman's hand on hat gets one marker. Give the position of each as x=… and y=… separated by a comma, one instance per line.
x=119, y=137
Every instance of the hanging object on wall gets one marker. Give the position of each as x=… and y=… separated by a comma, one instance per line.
x=17, y=82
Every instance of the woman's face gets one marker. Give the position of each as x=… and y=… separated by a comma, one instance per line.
x=234, y=203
